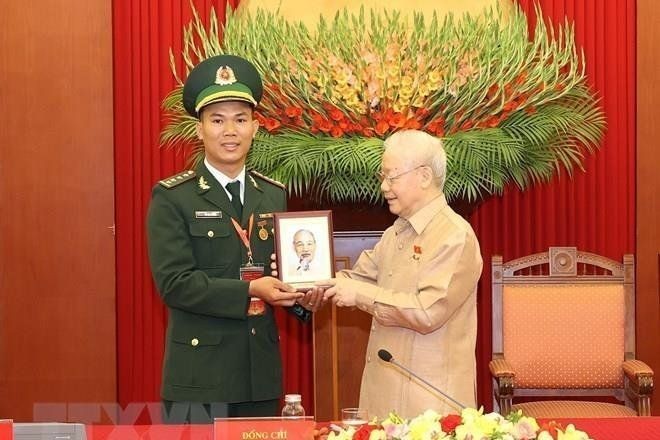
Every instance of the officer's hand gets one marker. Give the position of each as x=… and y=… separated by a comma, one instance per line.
x=273, y=265
x=313, y=299
x=273, y=291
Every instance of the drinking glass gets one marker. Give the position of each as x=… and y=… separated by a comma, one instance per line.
x=354, y=417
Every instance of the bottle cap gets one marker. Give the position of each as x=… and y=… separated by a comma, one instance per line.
x=291, y=398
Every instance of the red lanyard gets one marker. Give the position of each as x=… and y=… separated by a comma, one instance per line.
x=245, y=236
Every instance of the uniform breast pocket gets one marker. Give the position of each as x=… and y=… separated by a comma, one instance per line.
x=212, y=242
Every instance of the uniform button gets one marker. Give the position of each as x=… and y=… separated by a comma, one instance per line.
x=400, y=246
x=373, y=328
x=210, y=233
x=368, y=358
x=253, y=331
x=390, y=273
x=194, y=342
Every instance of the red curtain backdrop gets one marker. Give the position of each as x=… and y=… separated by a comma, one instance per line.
x=593, y=210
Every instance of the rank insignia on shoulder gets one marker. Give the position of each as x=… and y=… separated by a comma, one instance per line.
x=177, y=179
x=254, y=182
x=268, y=179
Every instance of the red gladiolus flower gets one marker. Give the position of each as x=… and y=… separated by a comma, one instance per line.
x=367, y=132
x=492, y=122
x=397, y=120
x=521, y=78
x=412, y=124
x=467, y=125
x=492, y=91
x=437, y=126
x=272, y=124
x=382, y=127
x=450, y=422
x=293, y=112
x=317, y=118
x=336, y=132
x=260, y=118
x=336, y=114
x=511, y=105
x=325, y=126
x=421, y=113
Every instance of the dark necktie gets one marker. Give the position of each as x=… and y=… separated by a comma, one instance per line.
x=234, y=189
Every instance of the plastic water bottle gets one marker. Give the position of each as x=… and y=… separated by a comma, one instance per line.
x=293, y=406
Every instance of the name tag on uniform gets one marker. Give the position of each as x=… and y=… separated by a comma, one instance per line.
x=208, y=214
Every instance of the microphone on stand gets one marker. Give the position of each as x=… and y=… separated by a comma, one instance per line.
x=387, y=357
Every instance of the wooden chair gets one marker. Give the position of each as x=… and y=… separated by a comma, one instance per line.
x=564, y=325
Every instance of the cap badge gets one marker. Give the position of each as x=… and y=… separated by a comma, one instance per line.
x=203, y=184
x=225, y=76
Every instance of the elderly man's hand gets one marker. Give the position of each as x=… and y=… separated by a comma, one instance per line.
x=313, y=299
x=343, y=291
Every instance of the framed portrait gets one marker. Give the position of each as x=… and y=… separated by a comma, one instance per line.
x=303, y=245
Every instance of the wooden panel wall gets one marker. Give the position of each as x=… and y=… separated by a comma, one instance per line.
x=648, y=191
x=340, y=338
x=57, y=299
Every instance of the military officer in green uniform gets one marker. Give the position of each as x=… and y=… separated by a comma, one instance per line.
x=210, y=245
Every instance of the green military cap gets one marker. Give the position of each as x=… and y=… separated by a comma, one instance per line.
x=221, y=78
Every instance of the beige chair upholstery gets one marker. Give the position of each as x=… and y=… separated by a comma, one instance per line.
x=564, y=326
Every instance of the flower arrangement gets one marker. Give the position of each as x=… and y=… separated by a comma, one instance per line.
x=509, y=108
x=472, y=424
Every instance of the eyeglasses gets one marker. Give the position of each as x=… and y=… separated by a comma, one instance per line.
x=390, y=179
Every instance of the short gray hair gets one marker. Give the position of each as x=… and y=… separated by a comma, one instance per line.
x=424, y=150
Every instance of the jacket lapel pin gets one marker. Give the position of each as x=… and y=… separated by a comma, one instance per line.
x=203, y=184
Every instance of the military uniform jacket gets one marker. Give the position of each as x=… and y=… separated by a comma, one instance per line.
x=214, y=352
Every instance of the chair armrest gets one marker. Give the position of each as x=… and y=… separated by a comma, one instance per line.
x=639, y=386
x=503, y=376
x=501, y=368
x=635, y=369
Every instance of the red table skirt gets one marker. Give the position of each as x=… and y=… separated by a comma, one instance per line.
x=634, y=428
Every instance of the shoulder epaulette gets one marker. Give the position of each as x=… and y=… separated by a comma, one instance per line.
x=268, y=179
x=177, y=179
